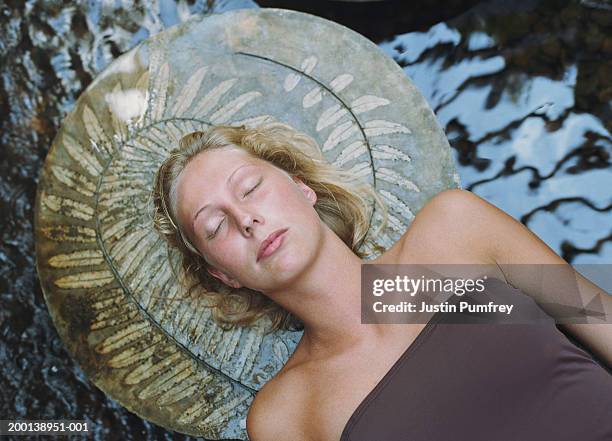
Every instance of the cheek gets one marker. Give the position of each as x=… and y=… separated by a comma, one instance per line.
x=294, y=197
x=229, y=255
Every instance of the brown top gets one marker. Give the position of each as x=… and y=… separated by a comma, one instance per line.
x=502, y=382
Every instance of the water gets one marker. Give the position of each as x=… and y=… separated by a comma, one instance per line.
x=524, y=93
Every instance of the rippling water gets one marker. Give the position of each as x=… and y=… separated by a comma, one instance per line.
x=524, y=93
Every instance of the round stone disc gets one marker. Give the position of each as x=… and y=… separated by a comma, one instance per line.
x=104, y=271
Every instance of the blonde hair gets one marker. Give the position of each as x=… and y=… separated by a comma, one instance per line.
x=341, y=203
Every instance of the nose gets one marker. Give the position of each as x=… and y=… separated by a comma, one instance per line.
x=247, y=221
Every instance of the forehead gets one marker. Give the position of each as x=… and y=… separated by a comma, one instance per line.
x=207, y=172
x=214, y=164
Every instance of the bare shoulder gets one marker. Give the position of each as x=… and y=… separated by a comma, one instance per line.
x=453, y=225
x=276, y=410
x=456, y=205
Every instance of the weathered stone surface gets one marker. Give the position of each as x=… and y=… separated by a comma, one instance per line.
x=104, y=271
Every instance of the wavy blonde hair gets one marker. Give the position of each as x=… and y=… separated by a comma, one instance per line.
x=342, y=203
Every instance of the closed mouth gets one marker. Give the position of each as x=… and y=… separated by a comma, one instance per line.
x=268, y=240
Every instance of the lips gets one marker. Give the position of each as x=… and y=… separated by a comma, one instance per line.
x=268, y=240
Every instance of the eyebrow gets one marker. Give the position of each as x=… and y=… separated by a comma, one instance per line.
x=227, y=182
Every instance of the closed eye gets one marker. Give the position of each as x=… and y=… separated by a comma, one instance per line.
x=215, y=232
x=256, y=185
x=245, y=195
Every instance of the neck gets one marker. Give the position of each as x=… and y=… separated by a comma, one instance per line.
x=327, y=298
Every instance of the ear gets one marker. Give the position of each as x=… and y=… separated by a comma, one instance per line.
x=310, y=194
x=233, y=283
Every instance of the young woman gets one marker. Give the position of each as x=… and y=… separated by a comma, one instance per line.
x=261, y=210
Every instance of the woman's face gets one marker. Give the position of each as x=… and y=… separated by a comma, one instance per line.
x=230, y=201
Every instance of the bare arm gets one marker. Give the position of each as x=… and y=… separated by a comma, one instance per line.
x=508, y=242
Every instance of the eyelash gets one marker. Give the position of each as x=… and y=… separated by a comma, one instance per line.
x=245, y=195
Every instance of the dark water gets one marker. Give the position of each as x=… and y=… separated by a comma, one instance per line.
x=523, y=90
